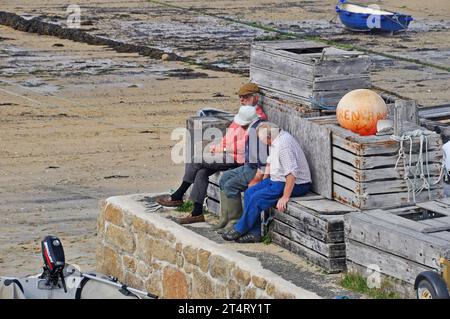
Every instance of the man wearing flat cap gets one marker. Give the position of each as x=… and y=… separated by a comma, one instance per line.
x=232, y=146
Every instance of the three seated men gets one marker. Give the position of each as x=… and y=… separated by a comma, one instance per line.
x=259, y=158
x=232, y=154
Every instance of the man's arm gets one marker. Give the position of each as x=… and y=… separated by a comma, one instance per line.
x=266, y=171
x=258, y=177
x=233, y=132
x=288, y=187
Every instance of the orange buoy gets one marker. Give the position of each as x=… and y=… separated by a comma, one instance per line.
x=359, y=111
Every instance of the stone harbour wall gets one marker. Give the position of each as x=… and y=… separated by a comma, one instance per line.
x=150, y=252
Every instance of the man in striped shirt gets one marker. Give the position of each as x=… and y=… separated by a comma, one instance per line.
x=287, y=174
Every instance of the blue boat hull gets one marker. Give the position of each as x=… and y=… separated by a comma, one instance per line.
x=366, y=22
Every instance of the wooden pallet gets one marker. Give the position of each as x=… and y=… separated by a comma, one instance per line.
x=313, y=227
x=364, y=173
x=401, y=242
x=308, y=72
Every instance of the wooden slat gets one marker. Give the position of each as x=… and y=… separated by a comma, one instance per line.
x=331, y=265
x=309, y=196
x=329, y=98
x=276, y=63
x=435, y=111
x=402, y=210
x=328, y=68
x=272, y=102
x=436, y=206
x=437, y=228
x=369, y=162
x=364, y=201
x=314, y=219
x=213, y=192
x=214, y=178
x=326, y=206
x=388, y=264
x=289, y=44
x=327, y=250
x=394, y=239
x=404, y=112
x=377, y=173
x=377, y=187
x=281, y=82
x=355, y=82
x=373, y=145
x=291, y=98
x=306, y=57
x=314, y=228
x=396, y=220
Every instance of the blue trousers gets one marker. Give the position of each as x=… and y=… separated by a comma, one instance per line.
x=262, y=196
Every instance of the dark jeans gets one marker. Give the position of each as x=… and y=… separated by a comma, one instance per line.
x=197, y=173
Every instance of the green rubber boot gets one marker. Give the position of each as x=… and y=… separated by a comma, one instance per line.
x=234, y=213
x=223, y=211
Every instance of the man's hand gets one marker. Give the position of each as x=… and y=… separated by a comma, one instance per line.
x=258, y=177
x=288, y=187
x=282, y=203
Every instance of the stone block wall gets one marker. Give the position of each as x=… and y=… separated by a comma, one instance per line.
x=147, y=251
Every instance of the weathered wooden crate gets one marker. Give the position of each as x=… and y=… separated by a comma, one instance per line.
x=364, y=173
x=308, y=72
x=399, y=243
x=200, y=132
x=313, y=227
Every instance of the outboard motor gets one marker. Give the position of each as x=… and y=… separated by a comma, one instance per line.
x=54, y=262
x=51, y=284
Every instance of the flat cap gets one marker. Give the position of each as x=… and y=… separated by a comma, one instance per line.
x=248, y=88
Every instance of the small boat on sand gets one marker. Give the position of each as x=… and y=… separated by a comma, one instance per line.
x=64, y=281
x=357, y=17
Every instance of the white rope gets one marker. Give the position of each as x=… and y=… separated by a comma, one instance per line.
x=444, y=172
x=415, y=176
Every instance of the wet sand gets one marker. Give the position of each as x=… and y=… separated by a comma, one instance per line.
x=96, y=126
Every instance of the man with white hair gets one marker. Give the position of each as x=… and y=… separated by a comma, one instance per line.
x=287, y=174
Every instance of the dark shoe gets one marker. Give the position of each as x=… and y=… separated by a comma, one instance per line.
x=167, y=201
x=231, y=235
x=249, y=238
x=191, y=219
